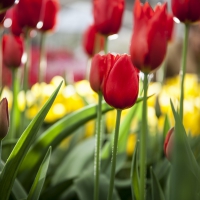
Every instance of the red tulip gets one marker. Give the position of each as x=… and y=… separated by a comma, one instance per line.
x=100, y=67
x=92, y=41
x=168, y=144
x=5, y=4
x=4, y=118
x=50, y=15
x=149, y=39
x=186, y=11
x=108, y=15
x=121, y=85
x=170, y=26
x=12, y=50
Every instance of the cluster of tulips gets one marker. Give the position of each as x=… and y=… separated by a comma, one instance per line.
x=115, y=78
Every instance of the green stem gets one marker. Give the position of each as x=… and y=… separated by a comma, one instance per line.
x=27, y=63
x=97, y=163
x=183, y=68
x=143, y=138
x=114, y=155
x=15, y=115
x=106, y=45
x=42, y=62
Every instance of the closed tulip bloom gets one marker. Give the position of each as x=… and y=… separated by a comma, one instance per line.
x=4, y=118
x=121, y=85
x=100, y=66
x=51, y=9
x=149, y=39
x=5, y=4
x=186, y=11
x=168, y=144
x=29, y=12
x=92, y=41
x=108, y=15
x=12, y=50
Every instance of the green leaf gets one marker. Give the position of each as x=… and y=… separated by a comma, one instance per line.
x=56, y=191
x=166, y=126
x=36, y=188
x=54, y=135
x=84, y=187
x=20, y=150
x=78, y=160
x=18, y=191
x=135, y=175
x=157, y=193
x=185, y=174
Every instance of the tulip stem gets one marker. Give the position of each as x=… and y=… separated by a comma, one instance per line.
x=15, y=114
x=42, y=62
x=27, y=63
x=143, y=138
x=106, y=45
x=97, y=160
x=183, y=68
x=114, y=155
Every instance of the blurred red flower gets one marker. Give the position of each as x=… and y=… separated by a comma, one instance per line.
x=30, y=13
x=108, y=15
x=186, y=11
x=92, y=41
x=150, y=36
x=12, y=50
x=4, y=118
x=168, y=143
x=51, y=9
x=121, y=85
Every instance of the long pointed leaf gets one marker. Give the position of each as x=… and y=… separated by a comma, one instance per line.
x=185, y=175
x=55, y=134
x=157, y=193
x=20, y=150
x=135, y=175
x=36, y=188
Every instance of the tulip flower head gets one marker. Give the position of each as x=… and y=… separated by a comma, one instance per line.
x=168, y=144
x=92, y=41
x=149, y=39
x=187, y=11
x=100, y=66
x=121, y=85
x=12, y=50
x=4, y=118
x=39, y=14
x=108, y=15
x=51, y=9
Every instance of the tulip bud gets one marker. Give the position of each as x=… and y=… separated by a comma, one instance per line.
x=100, y=67
x=186, y=11
x=108, y=15
x=121, y=85
x=150, y=36
x=12, y=50
x=4, y=118
x=50, y=15
x=168, y=144
x=92, y=41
